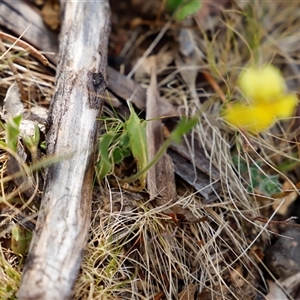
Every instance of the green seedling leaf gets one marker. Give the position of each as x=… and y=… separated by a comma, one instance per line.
x=270, y=185
x=119, y=154
x=188, y=9
x=256, y=177
x=43, y=145
x=184, y=7
x=240, y=165
x=124, y=140
x=20, y=240
x=123, y=148
x=184, y=126
x=32, y=142
x=136, y=130
x=267, y=184
x=12, y=128
x=105, y=164
x=36, y=138
x=173, y=4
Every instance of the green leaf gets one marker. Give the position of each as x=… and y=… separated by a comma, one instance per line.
x=173, y=4
x=124, y=140
x=105, y=164
x=187, y=9
x=184, y=126
x=32, y=142
x=184, y=8
x=119, y=154
x=20, y=240
x=122, y=149
x=37, y=137
x=267, y=184
x=43, y=145
x=270, y=185
x=12, y=128
x=138, y=141
x=240, y=164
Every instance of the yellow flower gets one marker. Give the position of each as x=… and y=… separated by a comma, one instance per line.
x=251, y=118
x=262, y=85
x=268, y=101
x=285, y=106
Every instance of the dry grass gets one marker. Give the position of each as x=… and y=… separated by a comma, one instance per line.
x=135, y=251
x=140, y=252
x=36, y=89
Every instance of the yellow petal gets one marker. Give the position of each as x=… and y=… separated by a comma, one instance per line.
x=253, y=119
x=262, y=85
x=285, y=106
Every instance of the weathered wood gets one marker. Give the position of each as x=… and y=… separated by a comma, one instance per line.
x=164, y=167
x=126, y=88
x=61, y=231
x=162, y=192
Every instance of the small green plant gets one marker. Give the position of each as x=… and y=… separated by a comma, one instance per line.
x=183, y=8
x=33, y=142
x=12, y=129
x=258, y=180
x=122, y=140
x=20, y=239
x=13, y=133
x=129, y=138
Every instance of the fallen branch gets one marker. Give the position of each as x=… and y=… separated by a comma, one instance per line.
x=57, y=247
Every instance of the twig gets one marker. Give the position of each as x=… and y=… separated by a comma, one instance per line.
x=34, y=52
x=214, y=85
x=285, y=223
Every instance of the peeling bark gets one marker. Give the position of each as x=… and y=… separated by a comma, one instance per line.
x=61, y=232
